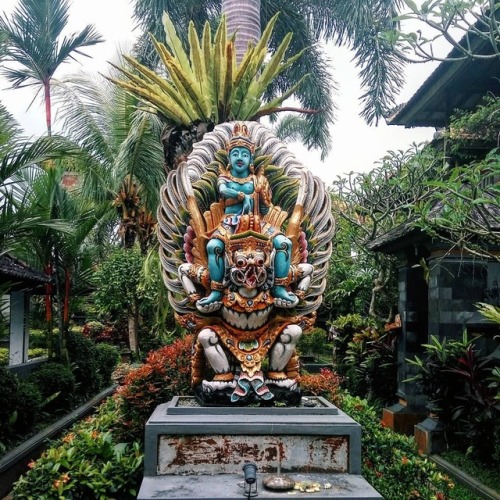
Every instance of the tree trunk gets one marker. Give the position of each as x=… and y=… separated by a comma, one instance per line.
x=133, y=329
x=48, y=311
x=48, y=107
x=243, y=16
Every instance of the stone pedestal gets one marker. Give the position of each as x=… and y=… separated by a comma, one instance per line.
x=198, y=452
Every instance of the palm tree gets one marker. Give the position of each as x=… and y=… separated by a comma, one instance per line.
x=121, y=153
x=119, y=168
x=18, y=159
x=243, y=19
x=356, y=24
x=33, y=44
x=57, y=251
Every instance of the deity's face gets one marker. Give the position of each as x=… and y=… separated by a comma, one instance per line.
x=240, y=159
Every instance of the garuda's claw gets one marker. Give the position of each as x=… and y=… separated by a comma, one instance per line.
x=208, y=308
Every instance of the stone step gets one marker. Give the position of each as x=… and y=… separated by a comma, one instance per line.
x=231, y=487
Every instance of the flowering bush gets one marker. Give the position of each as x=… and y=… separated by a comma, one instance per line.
x=325, y=383
x=166, y=373
x=108, y=333
x=88, y=462
x=391, y=461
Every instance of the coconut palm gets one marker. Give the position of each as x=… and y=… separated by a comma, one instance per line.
x=355, y=24
x=35, y=47
x=120, y=166
x=18, y=158
x=122, y=155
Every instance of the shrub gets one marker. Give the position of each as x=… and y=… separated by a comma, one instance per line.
x=83, y=356
x=56, y=384
x=366, y=358
x=29, y=404
x=88, y=462
x=462, y=389
x=4, y=356
x=37, y=352
x=19, y=404
x=313, y=342
x=38, y=338
x=325, y=383
x=166, y=373
x=107, y=358
x=9, y=384
x=107, y=333
x=391, y=462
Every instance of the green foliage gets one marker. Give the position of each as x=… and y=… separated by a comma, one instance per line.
x=207, y=85
x=489, y=312
x=88, y=462
x=482, y=124
x=20, y=403
x=366, y=358
x=117, y=282
x=350, y=276
x=463, y=390
x=474, y=468
x=38, y=338
x=30, y=403
x=84, y=361
x=313, y=342
x=56, y=384
x=391, y=462
x=469, y=27
x=108, y=358
x=9, y=384
x=166, y=373
x=325, y=383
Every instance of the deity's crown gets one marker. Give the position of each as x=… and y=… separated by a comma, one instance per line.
x=240, y=138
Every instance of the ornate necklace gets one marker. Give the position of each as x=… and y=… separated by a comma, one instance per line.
x=240, y=180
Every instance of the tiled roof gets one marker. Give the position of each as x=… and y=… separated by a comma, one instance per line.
x=12, y=269
x=453, y=84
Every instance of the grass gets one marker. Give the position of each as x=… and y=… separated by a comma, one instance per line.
x=482, y=473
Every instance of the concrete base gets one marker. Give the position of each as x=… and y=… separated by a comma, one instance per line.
x=402, y=419
x=230, y=486
x=199, y=452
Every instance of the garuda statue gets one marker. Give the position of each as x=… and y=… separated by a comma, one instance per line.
x=245, y=237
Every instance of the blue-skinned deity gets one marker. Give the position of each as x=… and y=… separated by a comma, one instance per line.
x=244, y=257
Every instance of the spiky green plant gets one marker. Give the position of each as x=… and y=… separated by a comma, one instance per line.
x=207, y=85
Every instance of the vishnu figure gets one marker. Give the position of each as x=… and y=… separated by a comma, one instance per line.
x=245, y=193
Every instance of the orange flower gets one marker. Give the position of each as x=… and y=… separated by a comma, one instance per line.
x=68, y=438
x=383, y=424
x=440, y=496
x=31, y=464
x=95, y=434
x=56, y=484
x=65, y=478
x=404, y=460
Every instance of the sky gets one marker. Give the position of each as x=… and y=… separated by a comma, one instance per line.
x=355, y=145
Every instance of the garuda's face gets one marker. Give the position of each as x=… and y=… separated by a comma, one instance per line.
x=249, y=269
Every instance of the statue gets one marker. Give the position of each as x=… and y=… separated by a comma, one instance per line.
x=246, y=279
